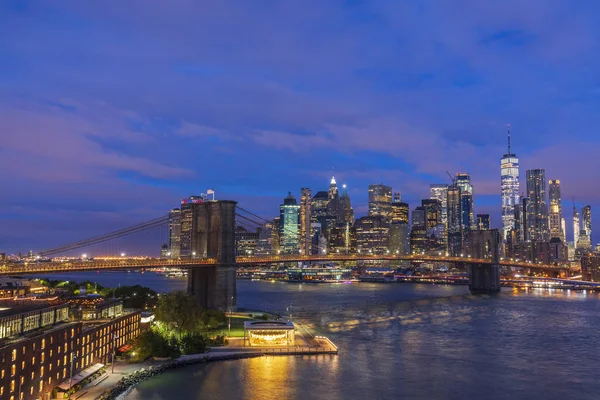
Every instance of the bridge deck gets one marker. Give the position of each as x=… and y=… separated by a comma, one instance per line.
x=138, y=263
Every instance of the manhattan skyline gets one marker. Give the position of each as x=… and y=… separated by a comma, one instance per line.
x=170, y=102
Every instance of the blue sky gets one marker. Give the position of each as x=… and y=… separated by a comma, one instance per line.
x=112, y=111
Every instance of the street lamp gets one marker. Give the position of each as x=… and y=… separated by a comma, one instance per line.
x=229, y=322
x=71, y=374
x=122, y=254
x=113, y=354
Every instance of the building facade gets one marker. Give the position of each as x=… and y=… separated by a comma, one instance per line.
x=305, y=221
x=537, y=207
x=509, y=181
x=454, y=221
x=174, y=233
x=380, y=201
x=555, y=217
x=586, y=221
x=289, y=229
x=463, y=181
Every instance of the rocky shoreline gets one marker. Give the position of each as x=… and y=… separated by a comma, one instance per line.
x=127, y=383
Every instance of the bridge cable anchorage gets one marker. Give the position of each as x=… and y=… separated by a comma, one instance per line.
x=108, y=236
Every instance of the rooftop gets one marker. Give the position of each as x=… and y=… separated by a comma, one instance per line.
x=286, y=325
x=22, y=305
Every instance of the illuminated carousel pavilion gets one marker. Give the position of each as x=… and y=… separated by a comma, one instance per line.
x=269, y=333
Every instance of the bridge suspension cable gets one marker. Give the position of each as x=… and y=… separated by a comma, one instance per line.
x=108, y=236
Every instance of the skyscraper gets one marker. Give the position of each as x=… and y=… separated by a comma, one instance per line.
x=556, y=230
x=418, y=231
x=380, y=201
x=537, y=207
x=586, y=221
x=399, y=209
x=509, y=176
x=189, y=208
x=454, y=221
x=305, y=222
x=174, y=233
x=288, y=225
x=439, y=191
x=576, y=226
x=463, y=181
x=333, y=204
x=483, y=221
x=346, y=207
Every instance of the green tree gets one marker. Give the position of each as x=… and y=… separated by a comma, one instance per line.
x=136, y=296
x=180, y=311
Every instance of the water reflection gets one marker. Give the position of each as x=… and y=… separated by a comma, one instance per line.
x=413, y=342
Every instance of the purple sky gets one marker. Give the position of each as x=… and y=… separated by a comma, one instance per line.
x=112, y=111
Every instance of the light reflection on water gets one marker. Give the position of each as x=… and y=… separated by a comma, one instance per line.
x=411, y=342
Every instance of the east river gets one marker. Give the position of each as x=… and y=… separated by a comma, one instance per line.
x=402, y=341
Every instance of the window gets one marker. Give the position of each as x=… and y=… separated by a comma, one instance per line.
x=32, y=360
x=41, y=385
x=23, y=349
x=50, y=353
x=42, y=372
x=13, y=370
x=43, y=357
x=12, y=386
x=32, y=375
x=2, y=374
x=31, y=390
x=14, y=355
x=1, y=390
x=22, y=379
x=23, y=365
x=43, y=344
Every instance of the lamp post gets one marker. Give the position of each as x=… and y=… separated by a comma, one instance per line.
x=113, y=353
x=71, y=374
x=229, y=321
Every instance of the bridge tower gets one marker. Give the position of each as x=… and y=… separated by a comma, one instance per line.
x=484, y=244
x=213, y=236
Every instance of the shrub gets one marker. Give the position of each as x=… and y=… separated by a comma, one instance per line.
x=193, y=343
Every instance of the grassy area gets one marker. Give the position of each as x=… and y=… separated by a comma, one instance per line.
x=237, y=327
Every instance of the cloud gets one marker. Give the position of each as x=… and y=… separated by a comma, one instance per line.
x=131, y=102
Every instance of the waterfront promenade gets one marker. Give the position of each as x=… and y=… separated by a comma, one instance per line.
x=307, y=346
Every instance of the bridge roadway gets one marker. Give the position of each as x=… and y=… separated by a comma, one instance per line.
x=139, y=263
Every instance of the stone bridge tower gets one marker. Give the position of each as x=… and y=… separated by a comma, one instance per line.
x=213, y=236
x=484, y=244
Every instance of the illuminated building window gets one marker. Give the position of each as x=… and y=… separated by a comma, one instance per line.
x=42, y=372
x=31, y=390
x=14, y=355
x=12, y=386
x=43, y=344
x=43, y=357
x=64, y=372
x=22, y=380
x=50, y=353
x=32, y=360
x=32, y=375
x=13, y=370
x=23, y=365
x=23, y=349
x=2, y=374
x=41, y=385
x=1, y=390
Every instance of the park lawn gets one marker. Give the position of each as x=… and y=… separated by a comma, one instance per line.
x=237, y=327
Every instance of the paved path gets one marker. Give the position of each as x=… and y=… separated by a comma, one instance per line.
x=122, y=368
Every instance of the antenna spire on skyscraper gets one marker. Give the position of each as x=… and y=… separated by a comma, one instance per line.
x=509, y=139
